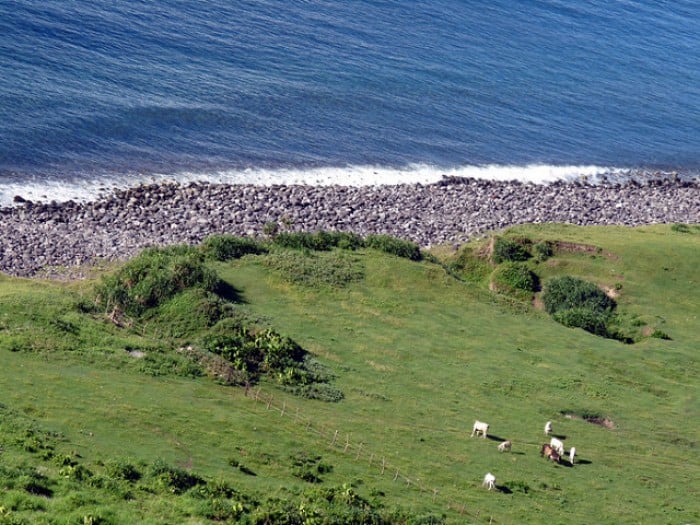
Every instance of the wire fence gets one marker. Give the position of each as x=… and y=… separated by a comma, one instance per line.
x=377, y=462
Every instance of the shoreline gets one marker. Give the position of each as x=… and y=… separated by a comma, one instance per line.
x=453, y=210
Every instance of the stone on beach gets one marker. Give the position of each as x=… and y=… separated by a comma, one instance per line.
x=38, y=235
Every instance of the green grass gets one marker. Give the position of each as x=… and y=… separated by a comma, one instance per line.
x=419, y=355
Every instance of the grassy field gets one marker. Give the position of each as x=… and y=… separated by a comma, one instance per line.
x=419, y=353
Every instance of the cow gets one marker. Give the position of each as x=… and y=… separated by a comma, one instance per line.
x=549, y=452
x=489, y=481
x=480, y=426
x=548, y=428
x=557, y=445
x=505, y=446
x=572, y=453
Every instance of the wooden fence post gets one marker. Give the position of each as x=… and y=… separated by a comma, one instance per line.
x=347, y=443
x=335, y=436
x=383, y=465
x=269, y=402
x=284, y=407
x=359, y=450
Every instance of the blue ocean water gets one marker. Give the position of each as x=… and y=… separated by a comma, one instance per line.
x=96, y=93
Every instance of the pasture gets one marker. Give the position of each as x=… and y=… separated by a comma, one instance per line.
x=420, y=351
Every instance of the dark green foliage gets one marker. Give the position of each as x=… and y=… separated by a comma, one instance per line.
x=543, y=250
x=469, y=265
x=319, y=241
x=122, y=470
x=660, y=334
x=153, y=277
x=173, y=479
x=336, y=269
x=577, y=303
x=508, y=250
x=394, y=246
x=590, y=320
x=227, y=247
x=517, y=486
x=309, y=468
x=514, y=278
x=563, y=293
x=680, y=228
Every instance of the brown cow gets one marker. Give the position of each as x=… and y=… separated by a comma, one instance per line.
x=548, y=451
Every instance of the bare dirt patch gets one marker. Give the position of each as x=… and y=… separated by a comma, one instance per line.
x=574, y=247
x=596, y=420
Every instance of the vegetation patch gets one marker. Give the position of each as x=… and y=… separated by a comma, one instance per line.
x=335, y=269
x=509, y=250
x=515, y=279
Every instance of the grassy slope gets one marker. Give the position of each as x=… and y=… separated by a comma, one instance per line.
x=419, y=356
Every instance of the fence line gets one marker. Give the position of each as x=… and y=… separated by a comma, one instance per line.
x=361, y=451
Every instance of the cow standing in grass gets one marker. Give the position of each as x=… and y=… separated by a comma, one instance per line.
x=489, y=481
x=548, y=428
x=480, y=427
x=549, y=452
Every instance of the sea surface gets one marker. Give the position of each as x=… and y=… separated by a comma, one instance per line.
x=98, y=94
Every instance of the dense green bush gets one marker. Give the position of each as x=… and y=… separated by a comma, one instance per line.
x=508, y=250
x=543, y=250
x=394, y=246
x=566, y=292
x=577, y=303
x=153, y=277
x=319, y=241
x=227, y=247
x=513, y=278
x=590, y=320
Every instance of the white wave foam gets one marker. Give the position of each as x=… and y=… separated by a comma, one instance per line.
x=90, y=189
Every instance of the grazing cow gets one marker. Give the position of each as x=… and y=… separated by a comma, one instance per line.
x=489, y=481
x=505, y=446
x=480, y=426
x=550, y=452
x=557, y=445
x=548, y=428
x=572, y=453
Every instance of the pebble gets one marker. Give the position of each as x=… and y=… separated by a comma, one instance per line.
x=40, y=235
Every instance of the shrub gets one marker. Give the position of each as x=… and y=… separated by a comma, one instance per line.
x=659, y=334
x=508, y=250
x=122, y=470
x=680, y=228
x=543, y=250
x=173, y=479
x=577, y=303
x=563, y=293
x=227, y=247
x=153, y=277
x=470, y=265
x=513, y=278
x=591, y=321
x=394, y=246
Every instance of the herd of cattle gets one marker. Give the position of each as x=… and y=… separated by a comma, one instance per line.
x=553, y=450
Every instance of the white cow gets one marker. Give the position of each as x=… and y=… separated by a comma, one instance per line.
x=572, y=453
x=489, y=481
x=557, y=445
x=505, y=446
x=480, y=426
x=548, y=428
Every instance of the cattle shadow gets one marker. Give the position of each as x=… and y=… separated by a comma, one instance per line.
x=503, y=489
x=583, y=462
x=496, y=438
x=558, y=436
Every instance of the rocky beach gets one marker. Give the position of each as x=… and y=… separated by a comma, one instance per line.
x=37, y=236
